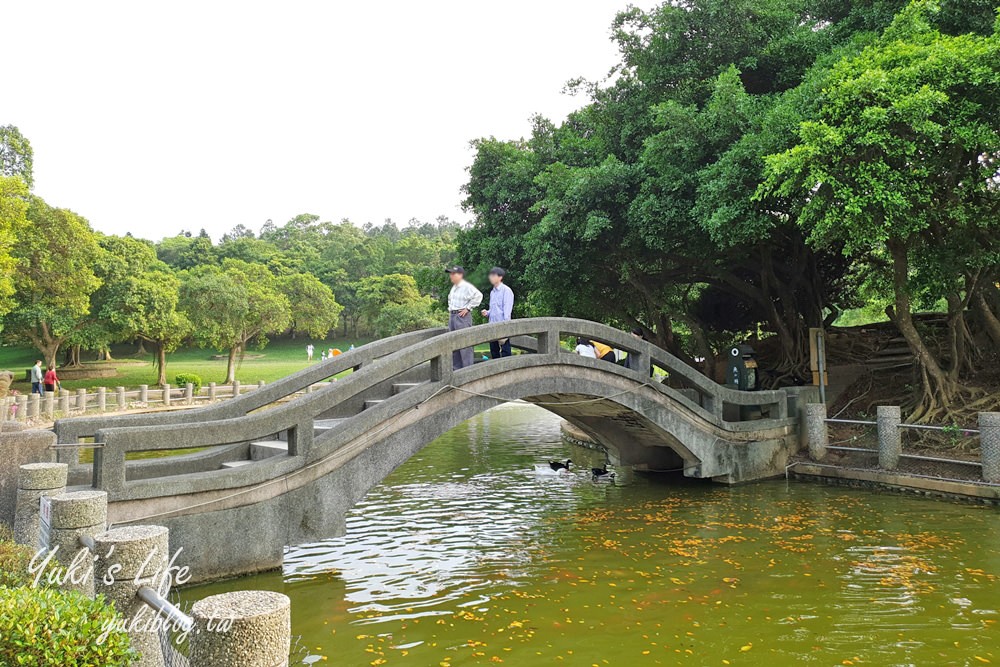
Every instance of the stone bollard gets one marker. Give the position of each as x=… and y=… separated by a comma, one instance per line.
x=102, y=399
x=236, y=388
x=76, y=514
x=121, y=400
x=49, y=406
x=81, y=400
x=22, y=407
x=817, y=433
x=211, y=392
x=890, y=438
x=166, y=395
x=130, y=558
x=989, y=445
x=35, y=480
x=144, y=393
x=64, y=403
x=34, y=406
x=189, y=393
x=241, y=629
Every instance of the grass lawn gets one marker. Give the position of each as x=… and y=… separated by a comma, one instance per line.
x=278, y=359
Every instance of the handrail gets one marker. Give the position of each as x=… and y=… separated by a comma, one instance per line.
x=72, y=429
x=297, y=417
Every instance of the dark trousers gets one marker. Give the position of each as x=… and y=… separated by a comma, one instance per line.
x=498, y=350
x=460, y=358
x=37, y=388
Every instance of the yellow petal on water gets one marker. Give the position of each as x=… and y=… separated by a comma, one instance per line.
x=980, y=658
x=746, y=648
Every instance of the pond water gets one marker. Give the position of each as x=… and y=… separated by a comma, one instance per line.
x=476, y=553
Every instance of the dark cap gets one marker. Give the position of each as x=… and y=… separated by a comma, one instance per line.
x=455, y=269
x=497, y=271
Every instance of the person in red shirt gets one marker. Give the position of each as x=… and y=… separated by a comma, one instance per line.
x=51, y=380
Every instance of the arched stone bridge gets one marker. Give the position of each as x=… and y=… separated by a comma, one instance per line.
x=282, y=467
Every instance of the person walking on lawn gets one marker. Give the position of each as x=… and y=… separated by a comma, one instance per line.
x=462, y=298
x=51, y=380
x=37, y=376
x=500, y=310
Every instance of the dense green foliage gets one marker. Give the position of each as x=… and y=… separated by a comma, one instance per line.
x=657, y=205
x=45, y=626
x=14, y=560
x=183, y=379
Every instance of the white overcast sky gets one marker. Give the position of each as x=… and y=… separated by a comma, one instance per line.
x=156, y=117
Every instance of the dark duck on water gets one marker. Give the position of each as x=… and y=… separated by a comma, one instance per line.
x=602, y=472
x=557, y=466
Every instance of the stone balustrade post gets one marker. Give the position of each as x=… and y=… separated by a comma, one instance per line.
x=102, y=399
x=817, y=434
x=890, y=438
x=34, y=406
x=129, y=558
x=50, y=405
x=236, y=388
x=81, y=400
x=64, y=405
x=260, y=384
x=121, y=400
x=74, y=515
x=166, y=395
x=144, y=393
x=989, y=445
x=189, y=393
x=241, y=629
x=35, y=480
x=22, y=407
x=211, y=392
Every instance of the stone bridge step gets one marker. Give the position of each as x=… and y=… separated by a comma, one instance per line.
x=371, y=403
x=400, y=387
x=264, y=449
x=236, y=464
x=324, y=425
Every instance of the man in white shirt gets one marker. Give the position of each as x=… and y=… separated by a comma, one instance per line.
x=462, y=298
x=585, y=349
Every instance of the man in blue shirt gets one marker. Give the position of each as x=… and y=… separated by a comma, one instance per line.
x=501, y=307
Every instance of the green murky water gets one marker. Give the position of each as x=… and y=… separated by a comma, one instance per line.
x=475, y=553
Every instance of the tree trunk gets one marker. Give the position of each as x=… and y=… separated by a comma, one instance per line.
x=141, y=350
x=938, y=390
x=161, y=364
x=231, y=368
x=990, y=320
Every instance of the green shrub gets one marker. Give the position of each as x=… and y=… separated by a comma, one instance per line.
x=14, y=560
x=45, y=626
x=183, y=378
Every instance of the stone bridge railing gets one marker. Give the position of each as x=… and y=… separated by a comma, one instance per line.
x=242, y=420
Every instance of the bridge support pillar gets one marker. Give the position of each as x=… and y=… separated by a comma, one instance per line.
x=241, y=629
x=989, y=445
x=35, y=480
x=890, y=441
x=130, y=558
x=74, y=515
x=816, y=431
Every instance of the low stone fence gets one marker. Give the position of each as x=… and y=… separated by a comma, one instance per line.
x=133, y=567
x=887, y=450
x=35, y=408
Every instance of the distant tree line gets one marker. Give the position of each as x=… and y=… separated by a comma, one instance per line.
x=65, y=288
x=759, y=166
